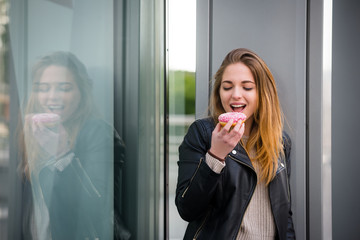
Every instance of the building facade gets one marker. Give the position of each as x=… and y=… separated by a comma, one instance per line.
x=130, y=50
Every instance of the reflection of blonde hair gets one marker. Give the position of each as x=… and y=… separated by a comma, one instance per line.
x=266, y=132
x=84, y=110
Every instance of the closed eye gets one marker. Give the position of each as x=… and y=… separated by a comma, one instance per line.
x=65, y=87
x=227, y=88
x=226, y=85
x=41, y=87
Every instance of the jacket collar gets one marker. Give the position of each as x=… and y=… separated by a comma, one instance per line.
x=239, y=154
x=281, y=166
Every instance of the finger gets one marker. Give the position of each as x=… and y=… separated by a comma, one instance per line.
x=34, y=126
x=237, y=126
x=237, y=132
x=217, y=128
x=41, y=126
x=242, y=129
x=227, y=127
x=27, y=123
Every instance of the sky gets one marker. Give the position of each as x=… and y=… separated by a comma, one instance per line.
x=182, y=35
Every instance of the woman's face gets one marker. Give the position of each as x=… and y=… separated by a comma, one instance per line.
x=238, y=91
x=57, y=92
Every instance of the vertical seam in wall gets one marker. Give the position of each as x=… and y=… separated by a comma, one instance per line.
x=123, y=60
x=166, y=126
x=326, y=119
x=307, y=187
x=210, y=47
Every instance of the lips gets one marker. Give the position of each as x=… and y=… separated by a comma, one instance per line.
x=238, y=107
x=55, y=108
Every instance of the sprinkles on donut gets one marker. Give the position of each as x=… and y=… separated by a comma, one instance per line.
x=236, y=116
x=47, y=119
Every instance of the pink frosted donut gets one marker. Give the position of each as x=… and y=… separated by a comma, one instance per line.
x=236, y=116
x=47, y=119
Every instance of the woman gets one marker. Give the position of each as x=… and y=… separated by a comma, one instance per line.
x=233, y=183
x=68, y=166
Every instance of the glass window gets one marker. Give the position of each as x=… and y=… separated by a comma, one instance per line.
x=4, y=121
x=67, y=147
x=82, y=99
x=182, y=63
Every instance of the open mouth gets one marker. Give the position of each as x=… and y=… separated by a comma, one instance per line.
x=238, y=107
x=55, y=108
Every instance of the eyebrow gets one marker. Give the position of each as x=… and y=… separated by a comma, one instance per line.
x=39, y=83
x=244, y=81
x=64, y=83
x=60, y=83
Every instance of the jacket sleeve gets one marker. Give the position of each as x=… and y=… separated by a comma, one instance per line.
x=290, y=233
x=197, y=182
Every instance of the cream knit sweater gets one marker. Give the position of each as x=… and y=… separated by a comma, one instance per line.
x=258, y=222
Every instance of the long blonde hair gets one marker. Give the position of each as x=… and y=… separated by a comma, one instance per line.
x=266, y=133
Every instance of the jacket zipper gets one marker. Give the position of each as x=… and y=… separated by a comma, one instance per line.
x=241, y=162
x=247, y=204
x=201, y=226
x=186, y=189
x=287, y=181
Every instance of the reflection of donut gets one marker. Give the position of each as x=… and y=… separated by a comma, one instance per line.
x=47, y=119
x=235, y=116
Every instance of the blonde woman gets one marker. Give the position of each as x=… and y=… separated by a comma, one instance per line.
x=233, y=183
x=69, y=157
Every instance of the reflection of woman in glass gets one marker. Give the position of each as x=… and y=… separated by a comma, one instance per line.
x=69, y=156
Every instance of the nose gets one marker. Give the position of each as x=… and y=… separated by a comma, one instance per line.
x=53, y=95
x=237, y=93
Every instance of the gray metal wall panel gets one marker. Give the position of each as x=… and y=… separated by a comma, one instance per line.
x=319, y=120
x=345, y=124
x=203, y=56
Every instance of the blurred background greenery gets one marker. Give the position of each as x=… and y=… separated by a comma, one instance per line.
x=182, y=92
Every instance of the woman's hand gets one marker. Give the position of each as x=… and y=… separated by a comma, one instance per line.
x=54, y=141
x=223, y=140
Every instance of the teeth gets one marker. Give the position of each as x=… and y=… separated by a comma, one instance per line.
x=55, y=107
x=237, y=106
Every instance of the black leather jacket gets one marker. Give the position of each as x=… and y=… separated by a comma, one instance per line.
x=80, y=197
x=214, y=204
